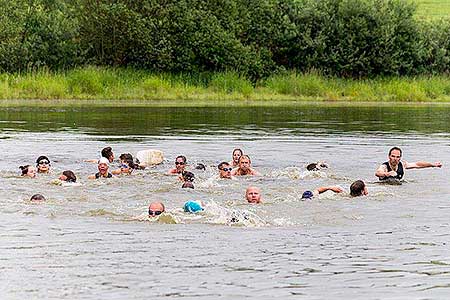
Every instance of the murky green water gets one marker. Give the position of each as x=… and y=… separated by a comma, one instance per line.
x=87, y=241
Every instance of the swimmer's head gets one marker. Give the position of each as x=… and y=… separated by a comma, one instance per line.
x=192, y=207
x=68, y=176
x=28, y=171
x=224, y=170
x=244, y=162
x=253, y=194
x=188, y=176
x=37, y=198
x=188, y=185
x=395, y=155
x=43, y=164
x=155, y=209
x=180, y=163
x=307, y=195
x=237, y=153
x=201, y=167
x=358, y=188
x=108, y=154
x=103, y=165
x=312, y=167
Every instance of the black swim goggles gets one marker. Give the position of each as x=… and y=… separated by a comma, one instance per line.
x=227, y=169
x=44, y=162
x=154, y=212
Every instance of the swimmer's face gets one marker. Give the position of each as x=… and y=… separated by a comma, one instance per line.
x=365, y=191
x=394, y=157
x=111, y=158
x=244, y=163
x=180, y=164
x=225, y=171
x=43, y=166
x=103, y=168
x=63, y=177
x=155, y=209
x=31, y=172
x=236, y=155
x=253, y=195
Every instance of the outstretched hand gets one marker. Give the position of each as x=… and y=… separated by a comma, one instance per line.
x=437, y=164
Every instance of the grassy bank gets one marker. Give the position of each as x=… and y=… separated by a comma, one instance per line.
x=131, y=87
x=432, y=8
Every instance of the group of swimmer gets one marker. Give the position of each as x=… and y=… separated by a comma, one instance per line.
x=391, y=171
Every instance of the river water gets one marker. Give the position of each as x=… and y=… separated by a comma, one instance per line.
x=92, y=241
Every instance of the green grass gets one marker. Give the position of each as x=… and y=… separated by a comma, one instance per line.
x=98, y=86
x=433, y=8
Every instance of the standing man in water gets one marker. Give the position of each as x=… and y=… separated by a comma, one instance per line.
x=395, y=167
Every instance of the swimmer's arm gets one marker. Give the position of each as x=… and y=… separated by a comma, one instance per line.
x=256, y=173
x=422, y=164
x=172, y=172
x=91, y=177
x=95, y=161
x=382, y=172
x=116, y=172
x=323, y=189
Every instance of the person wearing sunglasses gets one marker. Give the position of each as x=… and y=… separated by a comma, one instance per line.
x=155, y=209
x=225, y=170
x=43, y=164
x=180, y=165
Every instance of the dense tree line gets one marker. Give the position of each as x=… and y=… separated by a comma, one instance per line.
x=351, y=38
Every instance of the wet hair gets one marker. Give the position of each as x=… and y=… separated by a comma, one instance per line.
x=187, y=185
x=357, y=188
x=245, y=156
x=70, y=176
x=24, y=169
x=188, y=176
x=42, y=157
x=222, y=164
x=37, y=197
x=312, y=167
x=237, y=149
x=107, y=152
x=182, y=157
x=200, y=166
x=128, y=159
x=395, y=148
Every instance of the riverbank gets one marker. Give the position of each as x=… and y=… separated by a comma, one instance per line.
x=127, y=87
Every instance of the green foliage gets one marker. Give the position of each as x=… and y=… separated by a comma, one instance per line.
x=254, y=39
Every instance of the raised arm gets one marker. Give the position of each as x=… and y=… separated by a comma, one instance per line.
x=383, y=172
x=422, y=164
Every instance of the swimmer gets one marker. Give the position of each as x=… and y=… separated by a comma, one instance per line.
x=43, y=164
x=193, y=206
x=37, y=198
x=68, y=176
x=102, y=170
x=155, y=209
x=253, y=195
x=244, y=167
x=187, y=185
x=316, y=166
x=127, y=164
x=237, y=153
x=395, y=167
x=225, y=170
x=28, y=171
x=106, y=153
x=201, y=167
x=187, y=176
x=358, y=188
x=310, y=194
x=180, y=165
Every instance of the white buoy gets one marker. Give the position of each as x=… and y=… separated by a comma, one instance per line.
x=150, y=157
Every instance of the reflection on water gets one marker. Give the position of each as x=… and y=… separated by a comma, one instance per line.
x=87, y=241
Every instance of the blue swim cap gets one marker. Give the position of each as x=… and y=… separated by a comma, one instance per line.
x=307, y=195
x=192, y=207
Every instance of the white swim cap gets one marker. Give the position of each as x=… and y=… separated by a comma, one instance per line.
x=103, y=160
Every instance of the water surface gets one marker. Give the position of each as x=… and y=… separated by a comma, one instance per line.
x=88, y=242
